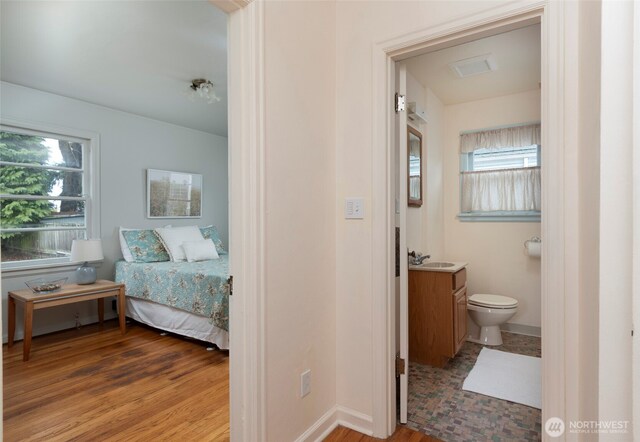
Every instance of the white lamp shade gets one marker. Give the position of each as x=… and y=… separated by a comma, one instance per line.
x=86, y=250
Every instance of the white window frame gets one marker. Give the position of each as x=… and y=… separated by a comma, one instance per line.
x=91, y=188
x=466, y=165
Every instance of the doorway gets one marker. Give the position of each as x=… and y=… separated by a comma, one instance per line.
x=473, y=139
x=135, y=179
x=555, y=340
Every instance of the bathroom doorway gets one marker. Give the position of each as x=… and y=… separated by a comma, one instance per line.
x=472, y=155
x=554, y=272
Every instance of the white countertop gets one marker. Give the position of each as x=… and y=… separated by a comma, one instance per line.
x=456, y=266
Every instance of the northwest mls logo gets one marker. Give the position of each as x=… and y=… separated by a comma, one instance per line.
x=554, y=427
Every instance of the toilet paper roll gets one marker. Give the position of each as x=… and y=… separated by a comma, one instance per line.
x=534, y=249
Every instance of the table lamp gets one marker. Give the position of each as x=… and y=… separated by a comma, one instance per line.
x=84, y=250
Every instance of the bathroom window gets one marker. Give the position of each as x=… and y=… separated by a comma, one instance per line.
x=500, y=174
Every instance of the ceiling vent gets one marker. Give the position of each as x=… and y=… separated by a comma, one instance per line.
x=474, y=66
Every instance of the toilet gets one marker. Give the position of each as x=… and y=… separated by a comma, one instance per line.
x=487, y=312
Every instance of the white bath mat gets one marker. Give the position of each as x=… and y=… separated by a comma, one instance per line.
x=508, y=376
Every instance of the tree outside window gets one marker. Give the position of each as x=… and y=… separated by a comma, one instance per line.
x=42, y=203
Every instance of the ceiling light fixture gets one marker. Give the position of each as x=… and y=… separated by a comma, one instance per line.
x=204, y=89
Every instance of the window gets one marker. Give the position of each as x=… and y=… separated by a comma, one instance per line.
x=500, y=175
x=508, y=158
x=45, y=196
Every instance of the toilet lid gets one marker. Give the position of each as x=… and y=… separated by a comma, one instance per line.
x=484, y=300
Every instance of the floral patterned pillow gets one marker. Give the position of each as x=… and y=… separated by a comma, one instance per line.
x=210, y=232
x=145, y=246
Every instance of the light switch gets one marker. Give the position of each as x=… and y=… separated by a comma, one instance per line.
x=354, y=208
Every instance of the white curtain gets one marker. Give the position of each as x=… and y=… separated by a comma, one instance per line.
x=516, y=136
x=501, y=190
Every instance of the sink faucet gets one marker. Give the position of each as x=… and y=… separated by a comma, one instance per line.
x=416, y=259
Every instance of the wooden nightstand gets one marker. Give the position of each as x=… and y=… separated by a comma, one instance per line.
x=69, y=294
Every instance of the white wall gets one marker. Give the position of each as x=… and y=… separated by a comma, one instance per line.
x=359, y=26
x=494, y=251
x=416, y=222
x=425, y=229
x=129, y=144
x=300, y=184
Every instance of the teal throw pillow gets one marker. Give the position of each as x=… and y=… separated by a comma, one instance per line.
x=210, y=232
x=145, y=246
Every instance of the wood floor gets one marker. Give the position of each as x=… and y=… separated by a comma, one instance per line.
x=93, y=384
x=402, y=434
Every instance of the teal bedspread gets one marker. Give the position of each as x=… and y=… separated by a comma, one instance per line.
x=198, y=287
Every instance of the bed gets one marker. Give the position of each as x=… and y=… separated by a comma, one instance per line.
x=189, y=299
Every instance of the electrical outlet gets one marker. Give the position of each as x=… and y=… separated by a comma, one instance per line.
x=305, y=383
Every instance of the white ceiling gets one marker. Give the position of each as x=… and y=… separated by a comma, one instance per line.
x=135, y=56
x=517, y=55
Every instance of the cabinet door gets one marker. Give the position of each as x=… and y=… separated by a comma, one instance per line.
x=459, y=319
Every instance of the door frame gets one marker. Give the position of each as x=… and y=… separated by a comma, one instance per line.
x=246, y=147
x=559, y=177
x=401, y=181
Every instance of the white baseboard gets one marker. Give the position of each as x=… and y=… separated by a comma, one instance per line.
x=335, y=417
x=66, y=325
x=321, y=428
x=521, y=329
x=350, y=418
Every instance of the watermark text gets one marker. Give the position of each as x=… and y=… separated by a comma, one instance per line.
x=556, y=427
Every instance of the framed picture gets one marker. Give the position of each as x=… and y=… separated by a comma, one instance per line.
x=173, y=194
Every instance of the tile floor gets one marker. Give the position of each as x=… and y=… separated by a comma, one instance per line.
x=440, y=408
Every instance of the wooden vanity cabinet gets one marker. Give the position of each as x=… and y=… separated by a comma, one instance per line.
x=437, y=315
x=459, y=319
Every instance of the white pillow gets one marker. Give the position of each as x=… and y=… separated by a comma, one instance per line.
x=200, y=250
x=126, y=253
x=172, y=239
